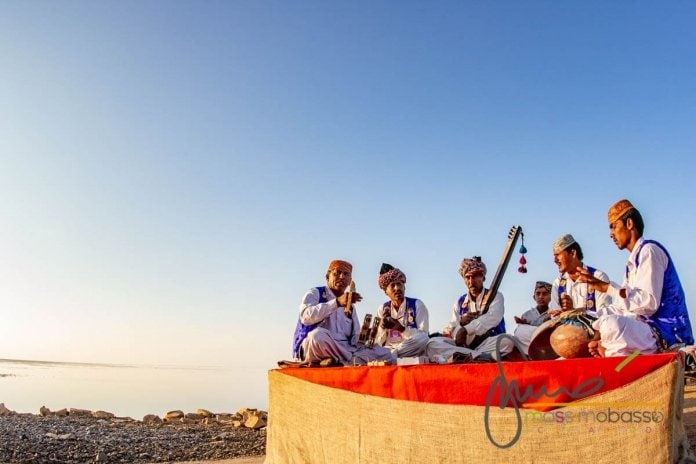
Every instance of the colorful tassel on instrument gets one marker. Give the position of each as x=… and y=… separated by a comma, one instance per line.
x=523, y=260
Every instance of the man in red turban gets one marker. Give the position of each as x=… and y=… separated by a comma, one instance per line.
x=472, y=333
x=404, y=326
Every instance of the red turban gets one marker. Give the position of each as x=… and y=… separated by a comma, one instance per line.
x=388, y=275
x=471, y=266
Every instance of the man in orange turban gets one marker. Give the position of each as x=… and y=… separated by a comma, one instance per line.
x=648, y=311
x=327, y=332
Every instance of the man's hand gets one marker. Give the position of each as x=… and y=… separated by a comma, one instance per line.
x=460, y=338
x=592, y=282
x=521, y=320
x=565, y=302
x=391, y=323
x=466, y=318
x=342, y=300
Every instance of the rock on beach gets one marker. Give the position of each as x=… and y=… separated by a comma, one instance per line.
x=79, y=436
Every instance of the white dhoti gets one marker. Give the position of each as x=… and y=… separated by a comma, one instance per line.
x=442, y=348
x=414, y=346
x=320, y=344
x=622, y=335
x=524, y=333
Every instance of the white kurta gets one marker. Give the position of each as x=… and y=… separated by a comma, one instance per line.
x=524, y=332
x=442, y=348
x=622, y=331
x=577, y=291
x=410, y=342
x=337, y=334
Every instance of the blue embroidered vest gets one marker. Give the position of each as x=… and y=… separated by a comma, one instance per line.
x=301, y=330
x=410, y=311
x=589, y=300
x=672, y=318
x=464, y=308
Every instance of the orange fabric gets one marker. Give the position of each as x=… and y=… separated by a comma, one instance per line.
x=564, y=380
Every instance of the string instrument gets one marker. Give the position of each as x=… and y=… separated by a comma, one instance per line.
x=513, y=235
x=349, y=304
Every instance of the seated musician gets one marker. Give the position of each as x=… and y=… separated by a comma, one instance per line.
x=567, y=292
x=471, y=333
x=534, y=317
x=404, y=325
x=328, y=328
x=648, y=311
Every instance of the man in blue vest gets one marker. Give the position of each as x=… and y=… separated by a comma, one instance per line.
x=328, y=328
x=648, y=311
x=404, y=325
x=471, y=334
x=567, y=292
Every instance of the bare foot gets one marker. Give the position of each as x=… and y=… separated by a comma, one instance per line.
x=596, y=349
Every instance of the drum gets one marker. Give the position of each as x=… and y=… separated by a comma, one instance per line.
x=566, y=336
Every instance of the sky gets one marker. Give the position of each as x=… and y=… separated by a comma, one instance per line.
x=175, y=175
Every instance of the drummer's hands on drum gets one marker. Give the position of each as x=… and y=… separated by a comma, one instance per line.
x=565, y=302
x=593, y=283
x=554, y=312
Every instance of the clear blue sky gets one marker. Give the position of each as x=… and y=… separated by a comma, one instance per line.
x=175, y=175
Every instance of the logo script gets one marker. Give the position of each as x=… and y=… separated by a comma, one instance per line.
x=512, y=395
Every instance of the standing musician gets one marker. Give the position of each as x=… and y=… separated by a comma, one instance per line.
x=328, y=328
x=648, y=311
x=567, y=292
x=471, y=334
x=404, y=326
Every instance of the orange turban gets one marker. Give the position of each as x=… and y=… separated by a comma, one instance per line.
x=339, y=265
x=618, y=209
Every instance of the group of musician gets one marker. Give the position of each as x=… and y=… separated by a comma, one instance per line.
x=646, y=312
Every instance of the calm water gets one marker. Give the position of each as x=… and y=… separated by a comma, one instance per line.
x=132, y=391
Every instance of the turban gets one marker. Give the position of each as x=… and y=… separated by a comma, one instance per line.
x=618, y=209
x=472, y=266
x=339, y=265
x=562, y=243
x=388, y=274
x=542, y=284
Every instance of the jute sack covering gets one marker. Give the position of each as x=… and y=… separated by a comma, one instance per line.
x=310, y=423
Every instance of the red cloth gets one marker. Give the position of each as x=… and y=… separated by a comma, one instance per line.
x=564, y=380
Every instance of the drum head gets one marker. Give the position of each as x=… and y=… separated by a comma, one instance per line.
x=540, y=347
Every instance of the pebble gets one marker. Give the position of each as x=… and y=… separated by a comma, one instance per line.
x=79, y=439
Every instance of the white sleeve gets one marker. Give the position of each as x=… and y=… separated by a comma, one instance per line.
x=492, y=318
x=312, y=312
x=644, y=291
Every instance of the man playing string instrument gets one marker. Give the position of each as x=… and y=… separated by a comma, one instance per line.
x=648, y=311
x=404, y=326
x=328, y=326
x=471, y=334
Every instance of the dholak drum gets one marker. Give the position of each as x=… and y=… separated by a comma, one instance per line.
x=566, y=336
